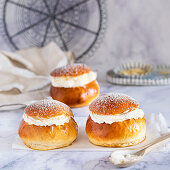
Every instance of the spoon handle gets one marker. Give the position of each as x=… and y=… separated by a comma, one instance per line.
x=157, y=142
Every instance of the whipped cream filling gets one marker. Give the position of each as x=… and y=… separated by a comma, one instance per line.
x=109, y=119
x=57, y=120
x=73, y=81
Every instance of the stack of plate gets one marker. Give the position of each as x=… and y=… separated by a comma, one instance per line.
x=139, y=74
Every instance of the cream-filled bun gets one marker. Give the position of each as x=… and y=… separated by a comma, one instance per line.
x=47, y=124
x=74, y=85
x=115, y=120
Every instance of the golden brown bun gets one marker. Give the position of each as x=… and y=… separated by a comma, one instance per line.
x=112, y=104
x=48, y=108
x=48, y=137
x=71, y=70
x=77, y=96
x=118, y=134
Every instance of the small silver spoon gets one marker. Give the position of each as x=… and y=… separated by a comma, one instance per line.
x=128, y=157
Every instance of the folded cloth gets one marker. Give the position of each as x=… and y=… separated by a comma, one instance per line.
x=157, y=126
x=24, y=74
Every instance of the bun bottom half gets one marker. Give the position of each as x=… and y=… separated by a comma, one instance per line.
x=48, y=137
x=118, y=134
x=77, y=96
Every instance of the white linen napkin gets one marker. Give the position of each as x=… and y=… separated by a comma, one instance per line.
x=24, y=74
x=156, y=126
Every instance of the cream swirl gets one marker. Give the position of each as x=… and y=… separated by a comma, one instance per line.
x=73, y=81
x=57, y=120
x=109, y=119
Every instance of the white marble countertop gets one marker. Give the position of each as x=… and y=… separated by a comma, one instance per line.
x=152, y=99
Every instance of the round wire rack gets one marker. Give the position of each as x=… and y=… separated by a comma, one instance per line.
x=75, y=25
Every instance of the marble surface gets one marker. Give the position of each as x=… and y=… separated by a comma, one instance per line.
x=152, y=99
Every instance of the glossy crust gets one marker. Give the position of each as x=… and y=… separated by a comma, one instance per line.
x=77, y=96
x=47, y=108
x=118, y=134
x=71, y=70
x=112, y=104
x=48, y=137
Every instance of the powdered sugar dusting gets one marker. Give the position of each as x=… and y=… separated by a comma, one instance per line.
x=48, y=108
x=112, y=104
x=71, y=70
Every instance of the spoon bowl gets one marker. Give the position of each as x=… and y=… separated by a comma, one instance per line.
x=128, y=157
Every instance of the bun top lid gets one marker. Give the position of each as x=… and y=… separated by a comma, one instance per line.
x=71, y=70
x=112, y=104
x=48, y=108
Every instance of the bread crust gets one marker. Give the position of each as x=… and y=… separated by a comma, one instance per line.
x=71, y=70
x=118, y=134
x=47, y=109
x=48, y=137
x=77, y=96
x=112, y=104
